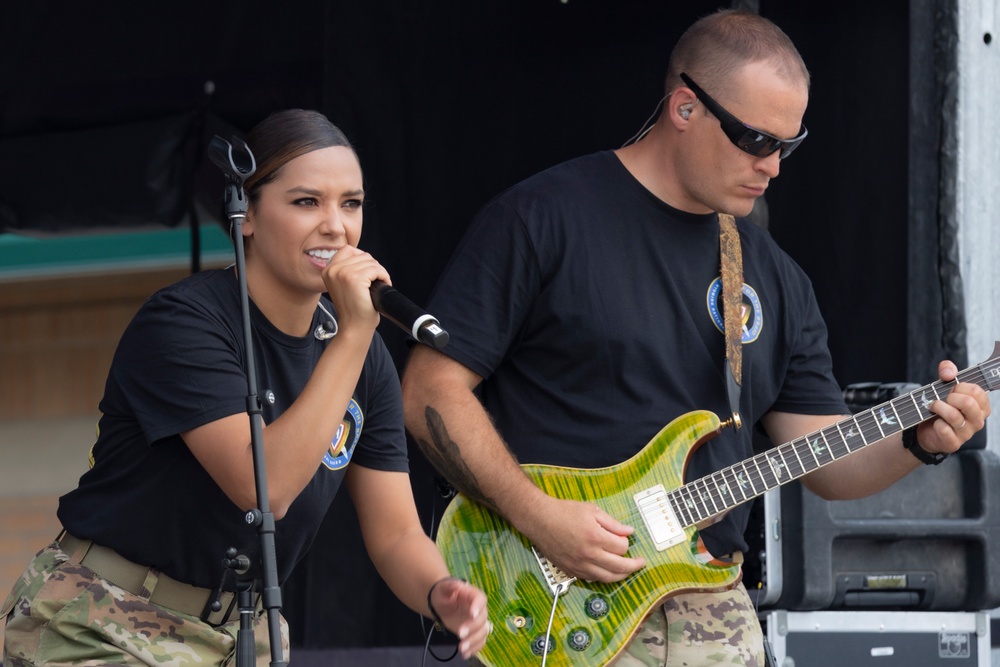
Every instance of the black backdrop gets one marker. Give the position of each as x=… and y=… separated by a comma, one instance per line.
x=447, y=103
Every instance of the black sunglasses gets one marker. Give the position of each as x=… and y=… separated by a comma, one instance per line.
x=744, y=137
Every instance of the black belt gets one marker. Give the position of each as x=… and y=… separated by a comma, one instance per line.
x=148, y=583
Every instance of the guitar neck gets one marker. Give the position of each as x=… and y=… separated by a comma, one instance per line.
x=721, y=491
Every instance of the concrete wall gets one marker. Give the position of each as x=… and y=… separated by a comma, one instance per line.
x=978, y=202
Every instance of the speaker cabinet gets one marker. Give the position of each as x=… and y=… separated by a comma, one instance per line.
x=929, y=542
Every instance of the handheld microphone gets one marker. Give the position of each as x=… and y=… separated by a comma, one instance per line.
x=405, y=314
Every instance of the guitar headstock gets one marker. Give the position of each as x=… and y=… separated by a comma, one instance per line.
x=991, y=368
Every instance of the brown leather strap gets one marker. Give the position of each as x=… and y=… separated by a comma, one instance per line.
x=148, y=583
x=732, y=310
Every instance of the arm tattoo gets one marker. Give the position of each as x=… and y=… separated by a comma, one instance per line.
x=445, y=454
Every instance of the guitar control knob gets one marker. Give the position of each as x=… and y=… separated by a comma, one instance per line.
x=538, y=646
x=596, y=606
x=579, y=639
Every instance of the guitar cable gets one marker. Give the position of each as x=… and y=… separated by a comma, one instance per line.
x=430, y=633
x=559, y=591
x=548, y=630
x=427, y=649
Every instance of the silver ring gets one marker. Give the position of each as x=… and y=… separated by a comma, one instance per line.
x=962, y=426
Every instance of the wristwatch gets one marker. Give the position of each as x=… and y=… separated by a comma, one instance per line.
x=924, y=456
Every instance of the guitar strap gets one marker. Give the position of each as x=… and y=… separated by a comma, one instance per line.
x=732, y=310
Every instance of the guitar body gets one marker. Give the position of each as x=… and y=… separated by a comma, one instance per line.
x=593, y=621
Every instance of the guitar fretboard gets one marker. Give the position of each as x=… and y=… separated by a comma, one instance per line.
x=720, y=491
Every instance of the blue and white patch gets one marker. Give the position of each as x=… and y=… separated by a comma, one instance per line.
x=752, y=316
x=346, y=438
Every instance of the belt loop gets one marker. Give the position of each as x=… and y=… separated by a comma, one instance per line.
x=149, y=583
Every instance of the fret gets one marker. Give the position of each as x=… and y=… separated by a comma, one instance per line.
x=924, y=406
x=899, y=419
x=698, y=502
x=777, y=465
x=802, y=468
x=760, y=473
x=761, y=479
x=698, y=511
x=807, y=457
x=842, y=437
x=878, y=421
x=681, y=508
x=908, y=410
x=901, y=407
x=744, y=478
x=829, y=448
x=734, y=483
x=948, y=386
x=869, y=430
x=707, y=497
x=820, y=451
x=725, y=496
x=690, y=505
x=825, y=449
x=815, y=454
x=889, y=421
x=725, y=492
x=861, y=431
x=853, y=432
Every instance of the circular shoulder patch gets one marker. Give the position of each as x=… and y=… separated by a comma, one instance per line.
x=346, y=438
x=752, y=318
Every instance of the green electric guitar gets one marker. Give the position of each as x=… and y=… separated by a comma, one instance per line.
x=542, y=616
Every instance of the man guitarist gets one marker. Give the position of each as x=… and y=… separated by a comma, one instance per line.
x=584, y=309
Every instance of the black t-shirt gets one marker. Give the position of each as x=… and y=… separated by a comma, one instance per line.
x=181, y=364
x=593, y=311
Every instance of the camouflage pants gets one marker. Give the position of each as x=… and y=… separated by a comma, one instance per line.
x=61, y=613
x=696, y=630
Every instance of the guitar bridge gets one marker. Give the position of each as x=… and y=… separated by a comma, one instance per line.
x=557, y=580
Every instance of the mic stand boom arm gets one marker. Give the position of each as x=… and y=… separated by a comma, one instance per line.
x=221, y=153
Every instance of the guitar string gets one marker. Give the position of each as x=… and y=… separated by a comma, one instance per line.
x=990, y=365
x=870, y=413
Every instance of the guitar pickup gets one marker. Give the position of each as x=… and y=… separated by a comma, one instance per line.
x=659, y=517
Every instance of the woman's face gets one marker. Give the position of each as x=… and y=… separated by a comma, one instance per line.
x=302, y=217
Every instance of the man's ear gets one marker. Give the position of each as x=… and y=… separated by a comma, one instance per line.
x=679, y=105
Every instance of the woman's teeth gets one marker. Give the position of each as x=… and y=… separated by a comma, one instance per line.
x=325, y=255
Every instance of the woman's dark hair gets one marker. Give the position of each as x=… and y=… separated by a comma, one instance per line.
x=284, y=136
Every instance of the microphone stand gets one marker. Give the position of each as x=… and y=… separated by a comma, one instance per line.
x=220, y=152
